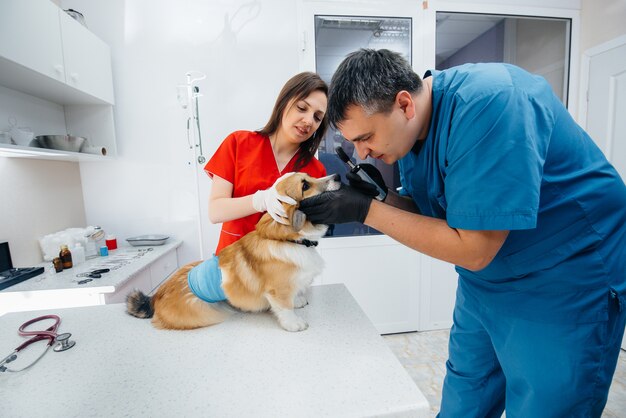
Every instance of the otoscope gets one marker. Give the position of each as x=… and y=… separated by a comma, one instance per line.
x=355, y=168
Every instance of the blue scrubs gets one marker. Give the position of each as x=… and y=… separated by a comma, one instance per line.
x=539, y=328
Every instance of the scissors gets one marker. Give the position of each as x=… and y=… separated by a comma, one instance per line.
x=49, y=334
x=96, y=274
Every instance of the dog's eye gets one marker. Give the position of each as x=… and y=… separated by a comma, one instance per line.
x=305, y=186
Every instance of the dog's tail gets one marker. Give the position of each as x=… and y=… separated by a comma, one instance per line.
x=139, y=305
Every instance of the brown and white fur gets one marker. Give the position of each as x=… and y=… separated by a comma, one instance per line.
x=263, y=270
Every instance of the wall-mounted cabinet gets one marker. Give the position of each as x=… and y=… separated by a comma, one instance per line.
x=46, y=54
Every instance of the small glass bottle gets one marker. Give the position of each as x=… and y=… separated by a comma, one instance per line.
x=66, y=257
x=58, y=264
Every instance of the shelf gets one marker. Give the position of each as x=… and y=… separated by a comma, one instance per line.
x=16, y=151
x=20, y=78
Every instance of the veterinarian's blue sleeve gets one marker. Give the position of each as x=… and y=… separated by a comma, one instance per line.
x=495, y=153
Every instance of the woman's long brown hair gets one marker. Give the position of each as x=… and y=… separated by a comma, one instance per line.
x=297, y=88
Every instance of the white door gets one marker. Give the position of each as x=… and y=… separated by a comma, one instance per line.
x=606, y=101
x=397, y=287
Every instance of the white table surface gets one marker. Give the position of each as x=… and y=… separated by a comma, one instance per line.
x=129, y=258
x=245, y=367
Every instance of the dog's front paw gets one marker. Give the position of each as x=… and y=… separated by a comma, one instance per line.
x=293, y=323
x=300, y=302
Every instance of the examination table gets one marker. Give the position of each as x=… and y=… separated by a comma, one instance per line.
x=245, y=367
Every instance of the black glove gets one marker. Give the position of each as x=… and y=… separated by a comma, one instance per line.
x=336, y=207
x=365, y=187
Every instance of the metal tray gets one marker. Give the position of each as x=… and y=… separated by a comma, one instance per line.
x=147, y=240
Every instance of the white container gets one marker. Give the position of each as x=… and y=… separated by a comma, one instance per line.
x=95, y=239
x=78, y=254
x=5, y=137
x=89, y=149
x=91, y=250
x=21, y=136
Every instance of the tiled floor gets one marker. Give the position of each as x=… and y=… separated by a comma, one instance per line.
x=424, y=354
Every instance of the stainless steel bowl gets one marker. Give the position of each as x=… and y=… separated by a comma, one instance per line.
x=147, y=240
x=60, y=142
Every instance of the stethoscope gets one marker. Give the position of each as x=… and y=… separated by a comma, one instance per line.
x=49, y=334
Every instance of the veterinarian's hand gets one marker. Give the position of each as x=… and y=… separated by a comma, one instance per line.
x=270, y=200
x=365, y=187
x=337, y=207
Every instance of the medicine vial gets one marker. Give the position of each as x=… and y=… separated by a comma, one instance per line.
x=58, y=264
x=66, y=257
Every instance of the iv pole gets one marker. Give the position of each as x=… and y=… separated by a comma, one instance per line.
x=190, y=102
x=188, y=98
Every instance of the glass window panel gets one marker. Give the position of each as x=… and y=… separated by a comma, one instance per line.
x=539, y=45
x=336, y=37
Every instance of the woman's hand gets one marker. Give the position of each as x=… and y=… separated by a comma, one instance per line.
x=270, y=200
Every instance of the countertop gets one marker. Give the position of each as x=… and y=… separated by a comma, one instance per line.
x=124, y=262
x=246, y=366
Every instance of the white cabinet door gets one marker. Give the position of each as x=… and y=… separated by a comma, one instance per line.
x=140, y=281
x=162, y=268
x=87, y=59
x=33, y=28
x=438, y=282
x=381, y=274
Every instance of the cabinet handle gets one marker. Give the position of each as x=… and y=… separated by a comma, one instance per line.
x=58, y=68
x=74, y=77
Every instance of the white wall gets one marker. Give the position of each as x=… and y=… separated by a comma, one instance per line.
x=38, y=197
x=247, y=49
x=601, y=21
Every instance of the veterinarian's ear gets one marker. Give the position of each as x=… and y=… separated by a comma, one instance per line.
x=297, y=220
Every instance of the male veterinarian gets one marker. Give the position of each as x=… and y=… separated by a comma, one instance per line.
x=505, y=185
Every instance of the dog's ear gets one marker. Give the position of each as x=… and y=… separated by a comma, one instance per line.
x=297, y=219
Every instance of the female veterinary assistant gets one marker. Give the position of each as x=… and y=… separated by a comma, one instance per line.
x=247, y=164
x=504, y=184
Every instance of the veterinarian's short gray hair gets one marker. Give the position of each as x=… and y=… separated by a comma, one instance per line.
x=371, y=79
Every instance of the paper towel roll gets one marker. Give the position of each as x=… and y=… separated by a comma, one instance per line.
x=90, y=149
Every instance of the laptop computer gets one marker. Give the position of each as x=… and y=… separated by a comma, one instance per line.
x=10, y=276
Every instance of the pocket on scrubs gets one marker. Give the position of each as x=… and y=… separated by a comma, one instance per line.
x=569, y=242
x=441, y=199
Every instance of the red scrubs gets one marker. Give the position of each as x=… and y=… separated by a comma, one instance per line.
x=246, y=160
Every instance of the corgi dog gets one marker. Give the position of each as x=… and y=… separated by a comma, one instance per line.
x=269, y=268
